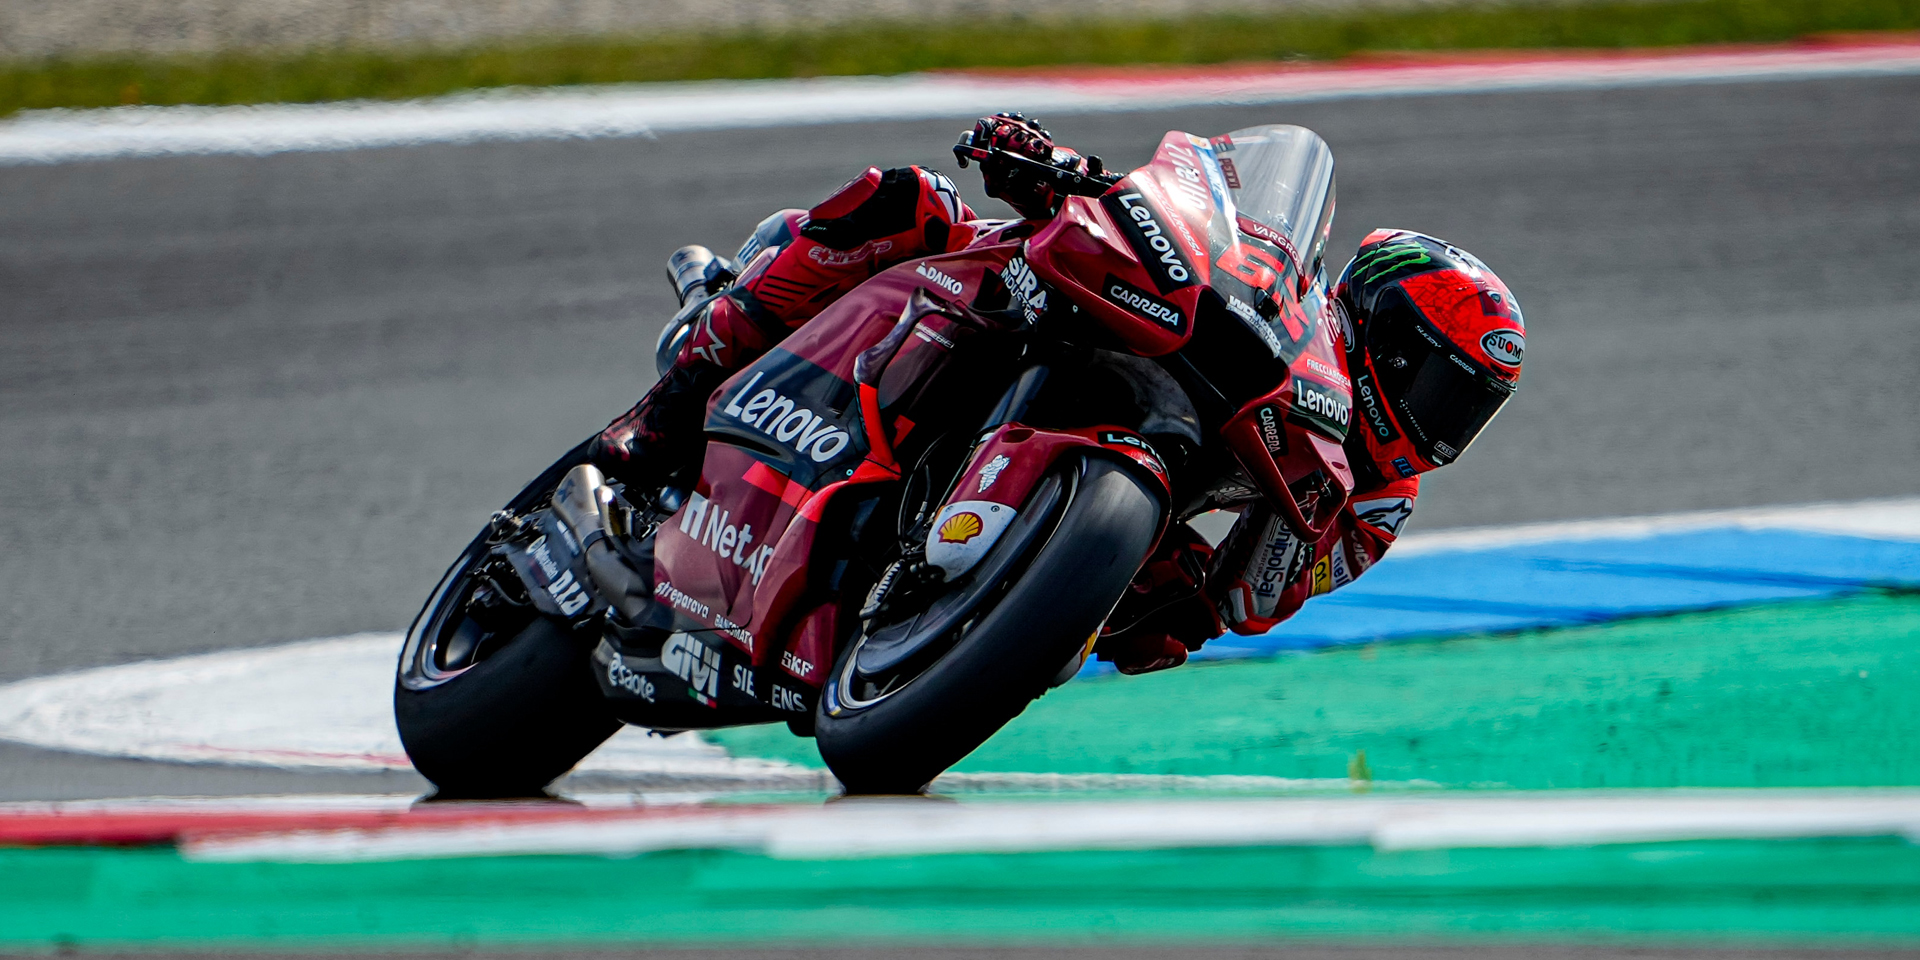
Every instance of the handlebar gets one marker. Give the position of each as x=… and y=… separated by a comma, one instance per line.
x=1094, y=182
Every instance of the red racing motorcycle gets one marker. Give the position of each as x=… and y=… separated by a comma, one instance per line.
x=916, y=512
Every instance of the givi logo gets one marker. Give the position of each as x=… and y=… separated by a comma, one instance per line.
x=1504, y=346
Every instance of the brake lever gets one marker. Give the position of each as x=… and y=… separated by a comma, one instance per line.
x=1096, y=181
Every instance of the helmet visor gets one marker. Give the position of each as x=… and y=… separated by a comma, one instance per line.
x=1441, y=398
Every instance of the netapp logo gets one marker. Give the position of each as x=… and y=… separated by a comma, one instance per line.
x=1145, y=304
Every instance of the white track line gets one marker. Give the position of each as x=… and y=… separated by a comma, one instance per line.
x=913, y=827
x=326, y=704
x=1890, y=519
x=53, y=136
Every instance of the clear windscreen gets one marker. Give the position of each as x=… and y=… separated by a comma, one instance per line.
x=1285, y=177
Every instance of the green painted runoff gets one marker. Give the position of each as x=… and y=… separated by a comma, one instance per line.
x=1812, y=694
x=1864, y=890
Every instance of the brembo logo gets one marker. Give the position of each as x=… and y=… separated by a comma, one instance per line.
x=1150, y=241
x=1144, y=303
x=788, y=422
x=939, y=279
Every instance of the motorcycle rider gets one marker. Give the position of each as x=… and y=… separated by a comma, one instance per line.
x=1433, y=342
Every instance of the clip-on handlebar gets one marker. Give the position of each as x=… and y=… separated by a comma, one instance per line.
x=1092, y=183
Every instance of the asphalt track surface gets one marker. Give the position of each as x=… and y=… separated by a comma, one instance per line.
x=250, y=400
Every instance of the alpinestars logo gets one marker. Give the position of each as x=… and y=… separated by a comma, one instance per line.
x=694, y=662
x=1150, y=240
x=1388, y=514
x=784, y=420
x=1145, y=304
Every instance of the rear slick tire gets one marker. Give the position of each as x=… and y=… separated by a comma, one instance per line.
x=1006, y=660
x=509, y=725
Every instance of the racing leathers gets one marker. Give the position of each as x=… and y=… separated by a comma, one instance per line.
x=797, y=262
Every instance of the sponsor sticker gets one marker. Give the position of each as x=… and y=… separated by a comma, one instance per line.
x=961, y=527
x=1275, y=564
x=1145, y=304
x=793, y=664
x=708, y=524
x=1505, y=346
x=842, y=258
x=1368, y=395
x=1228, y=172
x=1271, y=432
x=788, y=699
x=1322, y=576
x=1406, y=469
x=1388, y=513
x=786, y=420
x=991, y=472
x=1025, y=288
x=743, y=680
x=622, y=677
x=1321, y=408
x=694, y=662
x=1147, y=234
x=939, y=279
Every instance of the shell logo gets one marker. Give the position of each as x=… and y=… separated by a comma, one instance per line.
x=960, y=528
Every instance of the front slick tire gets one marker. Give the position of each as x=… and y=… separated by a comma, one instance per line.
x=1008, y=657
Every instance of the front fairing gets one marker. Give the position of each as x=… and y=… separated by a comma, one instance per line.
x=1210, y=255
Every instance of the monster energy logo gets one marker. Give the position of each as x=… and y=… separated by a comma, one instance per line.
x=1388, y=258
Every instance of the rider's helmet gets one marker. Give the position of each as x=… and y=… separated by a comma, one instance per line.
x=1434, y=346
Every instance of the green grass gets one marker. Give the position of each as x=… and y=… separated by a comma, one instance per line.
x=890, y=49
x=1805, y=694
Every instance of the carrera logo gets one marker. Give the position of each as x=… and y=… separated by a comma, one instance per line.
x=1504, y=346
x=1270, y=429
x=939, y=279
x=1318, y=406
x=1145, y=304
x=1150, y=240
x=786, y=421
x=961, y=527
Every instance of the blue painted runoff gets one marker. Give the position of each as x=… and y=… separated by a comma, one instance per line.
x=1565, y=583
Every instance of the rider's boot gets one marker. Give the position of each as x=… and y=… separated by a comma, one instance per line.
x=1164, y=614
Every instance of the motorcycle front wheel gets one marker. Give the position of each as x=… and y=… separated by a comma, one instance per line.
x=893, y=734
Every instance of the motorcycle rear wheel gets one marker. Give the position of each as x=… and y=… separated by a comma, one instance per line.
x=510, y=717
x=1005, y=655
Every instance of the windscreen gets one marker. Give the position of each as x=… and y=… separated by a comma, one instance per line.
x=1282, y=176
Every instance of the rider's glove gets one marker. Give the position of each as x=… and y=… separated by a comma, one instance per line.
x=1003, y=133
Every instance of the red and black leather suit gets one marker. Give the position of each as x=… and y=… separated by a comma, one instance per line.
x=799, y=261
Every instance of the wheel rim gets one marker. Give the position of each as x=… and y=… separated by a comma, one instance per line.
x=848, y=682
